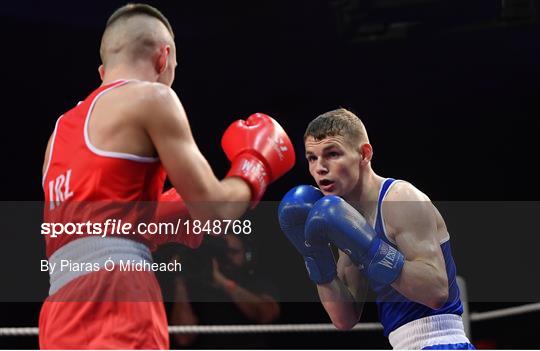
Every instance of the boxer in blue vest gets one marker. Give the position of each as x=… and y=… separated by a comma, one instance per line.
x=389, y=235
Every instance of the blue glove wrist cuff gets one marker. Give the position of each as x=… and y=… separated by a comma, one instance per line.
x=384, y=262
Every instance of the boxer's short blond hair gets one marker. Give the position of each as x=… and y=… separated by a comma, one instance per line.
x=133, y=9
x=131, y=33
x=340, y=122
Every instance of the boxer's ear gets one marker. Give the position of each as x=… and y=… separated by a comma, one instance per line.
x=101, y=71
x=366, y=153
x=163, y=58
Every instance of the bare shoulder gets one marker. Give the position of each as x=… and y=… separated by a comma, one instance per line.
x=147, y=95
x=405, y=191
x=405, y=206
x=157, y=100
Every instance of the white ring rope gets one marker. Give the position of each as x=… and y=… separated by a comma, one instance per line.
x=504, y=312
x=268, y=328
x=26, y=331
x=274, y=328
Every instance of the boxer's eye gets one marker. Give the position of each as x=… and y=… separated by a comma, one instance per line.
x=333, y=154
x=311, y=158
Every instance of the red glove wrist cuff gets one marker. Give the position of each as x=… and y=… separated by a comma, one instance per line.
x=251, y=169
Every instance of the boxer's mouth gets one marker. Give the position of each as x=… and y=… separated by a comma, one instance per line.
x=326, y=184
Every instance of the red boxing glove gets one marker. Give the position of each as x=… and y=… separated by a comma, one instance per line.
x=170, y=209
x=260, y=152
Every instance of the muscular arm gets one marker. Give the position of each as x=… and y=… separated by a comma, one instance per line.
x=412, y=220
x=165, y=121
x=343, y=298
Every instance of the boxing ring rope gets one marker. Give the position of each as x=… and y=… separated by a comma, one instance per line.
x=26, y=331
x=280, y=328
x=505, y=312
x=267, y=328
x=321, y=327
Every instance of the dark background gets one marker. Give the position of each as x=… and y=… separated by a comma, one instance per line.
x=447, y=90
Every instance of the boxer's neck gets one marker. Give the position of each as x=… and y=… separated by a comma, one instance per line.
x=129, y=72
x=365, y=196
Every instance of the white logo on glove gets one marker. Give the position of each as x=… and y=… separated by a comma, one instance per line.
x=279, y=146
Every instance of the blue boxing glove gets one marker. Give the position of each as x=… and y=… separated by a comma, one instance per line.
x=293, y=211
x=333, y=219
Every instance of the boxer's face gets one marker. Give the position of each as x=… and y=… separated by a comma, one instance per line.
x=334, y=164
